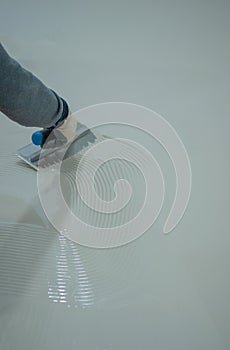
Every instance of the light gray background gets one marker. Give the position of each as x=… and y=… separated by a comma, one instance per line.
x=159, y=292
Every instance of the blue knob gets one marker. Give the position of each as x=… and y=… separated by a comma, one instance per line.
x=37, y=138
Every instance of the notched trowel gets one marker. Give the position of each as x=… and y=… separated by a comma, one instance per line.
x=32, y=154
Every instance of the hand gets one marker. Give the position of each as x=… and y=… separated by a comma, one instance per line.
x=56, y=141
x=61, y=135
x=65, y=141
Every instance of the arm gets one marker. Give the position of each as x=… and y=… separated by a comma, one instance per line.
x=25, y=99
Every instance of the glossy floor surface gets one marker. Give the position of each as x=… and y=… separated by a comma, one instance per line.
x=158, y=292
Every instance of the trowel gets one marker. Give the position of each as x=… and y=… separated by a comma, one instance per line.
x=34, y=154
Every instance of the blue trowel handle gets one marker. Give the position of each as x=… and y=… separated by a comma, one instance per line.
x=39, y=137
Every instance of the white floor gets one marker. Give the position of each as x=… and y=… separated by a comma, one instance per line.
x=159, y=292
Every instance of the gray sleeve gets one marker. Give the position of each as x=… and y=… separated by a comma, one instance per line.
x=24, y=98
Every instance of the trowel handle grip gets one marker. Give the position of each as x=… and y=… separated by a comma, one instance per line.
x=39, y=137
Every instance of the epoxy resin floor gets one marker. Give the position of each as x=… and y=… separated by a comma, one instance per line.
x=158, y=292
